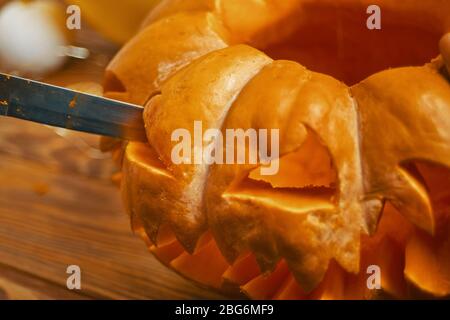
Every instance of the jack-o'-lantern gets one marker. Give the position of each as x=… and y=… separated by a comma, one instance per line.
x=363, y=176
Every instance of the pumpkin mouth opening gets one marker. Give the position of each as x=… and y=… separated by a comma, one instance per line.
x=336, y=41
x=300, y=186
x=295, y=200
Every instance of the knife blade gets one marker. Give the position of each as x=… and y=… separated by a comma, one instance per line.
x=60, y=107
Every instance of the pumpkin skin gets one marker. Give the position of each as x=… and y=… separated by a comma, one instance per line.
x=366, y=173
x=115, y=20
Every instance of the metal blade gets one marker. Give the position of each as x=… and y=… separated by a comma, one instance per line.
x=64, y=108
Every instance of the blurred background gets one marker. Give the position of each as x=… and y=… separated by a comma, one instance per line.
x=58, y=203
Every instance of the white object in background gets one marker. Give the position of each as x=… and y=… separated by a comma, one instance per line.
x=32, y=36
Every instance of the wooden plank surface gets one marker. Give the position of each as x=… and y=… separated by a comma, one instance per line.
x=51, y=217
x=22, y=286
x=58, y=207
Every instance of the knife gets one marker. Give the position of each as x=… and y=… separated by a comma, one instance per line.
x=60, y=107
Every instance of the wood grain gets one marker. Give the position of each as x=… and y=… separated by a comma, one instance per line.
x=58, y=207
x=16, y=285
x=53, y=216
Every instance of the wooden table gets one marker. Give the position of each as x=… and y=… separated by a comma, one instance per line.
x=59, y=207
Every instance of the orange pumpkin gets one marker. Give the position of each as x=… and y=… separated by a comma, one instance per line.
x=364, y=166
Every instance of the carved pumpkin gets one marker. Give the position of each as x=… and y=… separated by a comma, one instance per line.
x=364, y=168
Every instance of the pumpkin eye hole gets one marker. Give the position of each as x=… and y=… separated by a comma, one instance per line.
x=336, y=41
x=308, y=167
x=436, y=180
x=306, y=180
